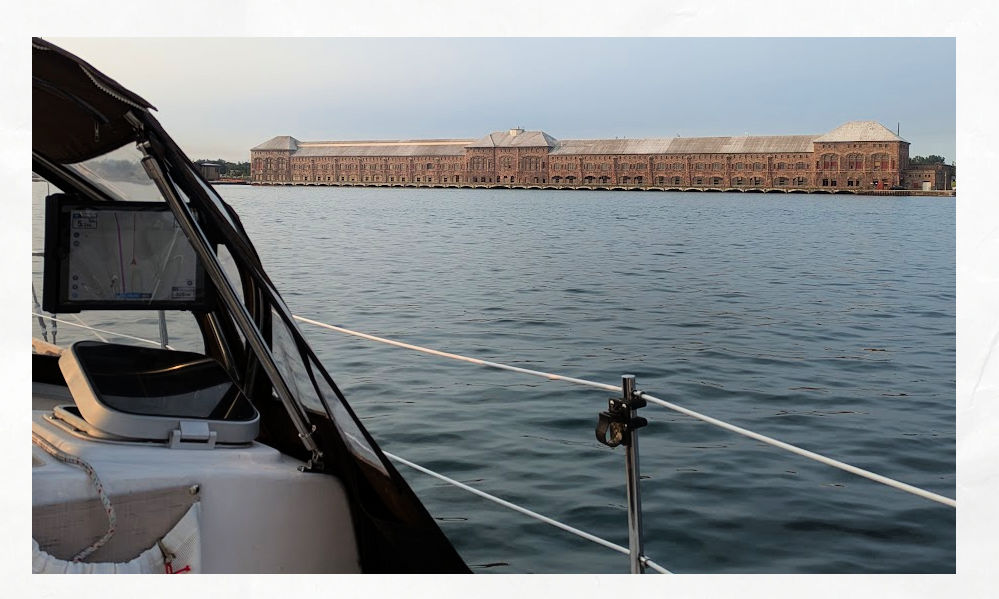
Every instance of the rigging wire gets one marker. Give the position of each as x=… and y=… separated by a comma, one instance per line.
x=702, y=417
x=579, y=533
x=41, y=321
x=97, y=330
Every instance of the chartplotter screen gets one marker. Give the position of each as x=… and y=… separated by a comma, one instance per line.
x=119, y=256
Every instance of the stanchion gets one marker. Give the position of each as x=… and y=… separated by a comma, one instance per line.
x=619, y=426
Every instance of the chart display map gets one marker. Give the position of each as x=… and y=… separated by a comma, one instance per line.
x=136, y=256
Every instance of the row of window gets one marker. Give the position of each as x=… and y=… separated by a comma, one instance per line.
x=351, y=166
x=480, y=164
x=391, y=179
x=591, y=179
x=877, y=162
x=368, y=179
x=867, y=145
x=825, y=162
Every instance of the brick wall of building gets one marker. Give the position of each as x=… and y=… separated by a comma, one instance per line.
x=929, y=176
x=270, y=166
x=833, y=164
x=864, y=165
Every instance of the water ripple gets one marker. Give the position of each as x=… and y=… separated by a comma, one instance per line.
x=824, y=321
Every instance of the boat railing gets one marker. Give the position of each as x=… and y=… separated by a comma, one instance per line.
x=657, y=401
x=623, y=413
x=637, y=557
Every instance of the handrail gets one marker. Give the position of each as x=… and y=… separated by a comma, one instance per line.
x=652, y=399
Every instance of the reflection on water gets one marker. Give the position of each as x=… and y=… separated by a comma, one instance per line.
x=824, y=321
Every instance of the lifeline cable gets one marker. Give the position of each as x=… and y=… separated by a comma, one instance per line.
x=702, y=417
x=87, y=326
x=97, y=330
x=579, y=533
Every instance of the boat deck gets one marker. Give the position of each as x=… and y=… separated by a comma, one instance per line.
x=258, y=512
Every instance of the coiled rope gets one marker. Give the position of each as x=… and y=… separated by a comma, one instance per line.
x=73, y=460
x=655, y=400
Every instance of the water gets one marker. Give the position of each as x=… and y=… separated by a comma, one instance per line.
x=823, y=321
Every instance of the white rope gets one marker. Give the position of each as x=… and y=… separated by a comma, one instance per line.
x=527, y=512
x=97, y=330
x=804, y=452
x=713, y=421
x=68, y=458
x=427, y=350
x=77, y=318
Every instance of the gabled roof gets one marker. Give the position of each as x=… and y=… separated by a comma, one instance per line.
x=393, y=148
x=515, y=138
x=281, y=142
x=746, y=144
x=518, y=138
x=612, y=146
x=860, y=131
x=755, y=144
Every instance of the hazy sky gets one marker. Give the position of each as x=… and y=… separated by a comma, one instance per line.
x=221, y=96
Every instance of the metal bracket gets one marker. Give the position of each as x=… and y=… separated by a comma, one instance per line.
x=614, y=426
x=315, y=463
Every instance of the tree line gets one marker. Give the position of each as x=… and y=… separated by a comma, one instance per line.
x=228, y=169
x=931, y=159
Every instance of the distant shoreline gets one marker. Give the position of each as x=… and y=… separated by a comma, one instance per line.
x=728, y=190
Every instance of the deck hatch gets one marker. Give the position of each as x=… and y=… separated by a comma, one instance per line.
x=149, y=393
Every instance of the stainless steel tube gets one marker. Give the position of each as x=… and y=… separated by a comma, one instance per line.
x=227, y=294
x=164, y=338
x=635, y=546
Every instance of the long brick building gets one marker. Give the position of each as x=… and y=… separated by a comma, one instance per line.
x=856, y=156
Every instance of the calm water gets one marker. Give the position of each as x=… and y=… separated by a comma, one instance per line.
x=824, y=321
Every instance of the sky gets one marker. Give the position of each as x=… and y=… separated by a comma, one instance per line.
x=219, y=97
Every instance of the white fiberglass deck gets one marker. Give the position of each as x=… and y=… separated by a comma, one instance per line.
x=258, y=512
